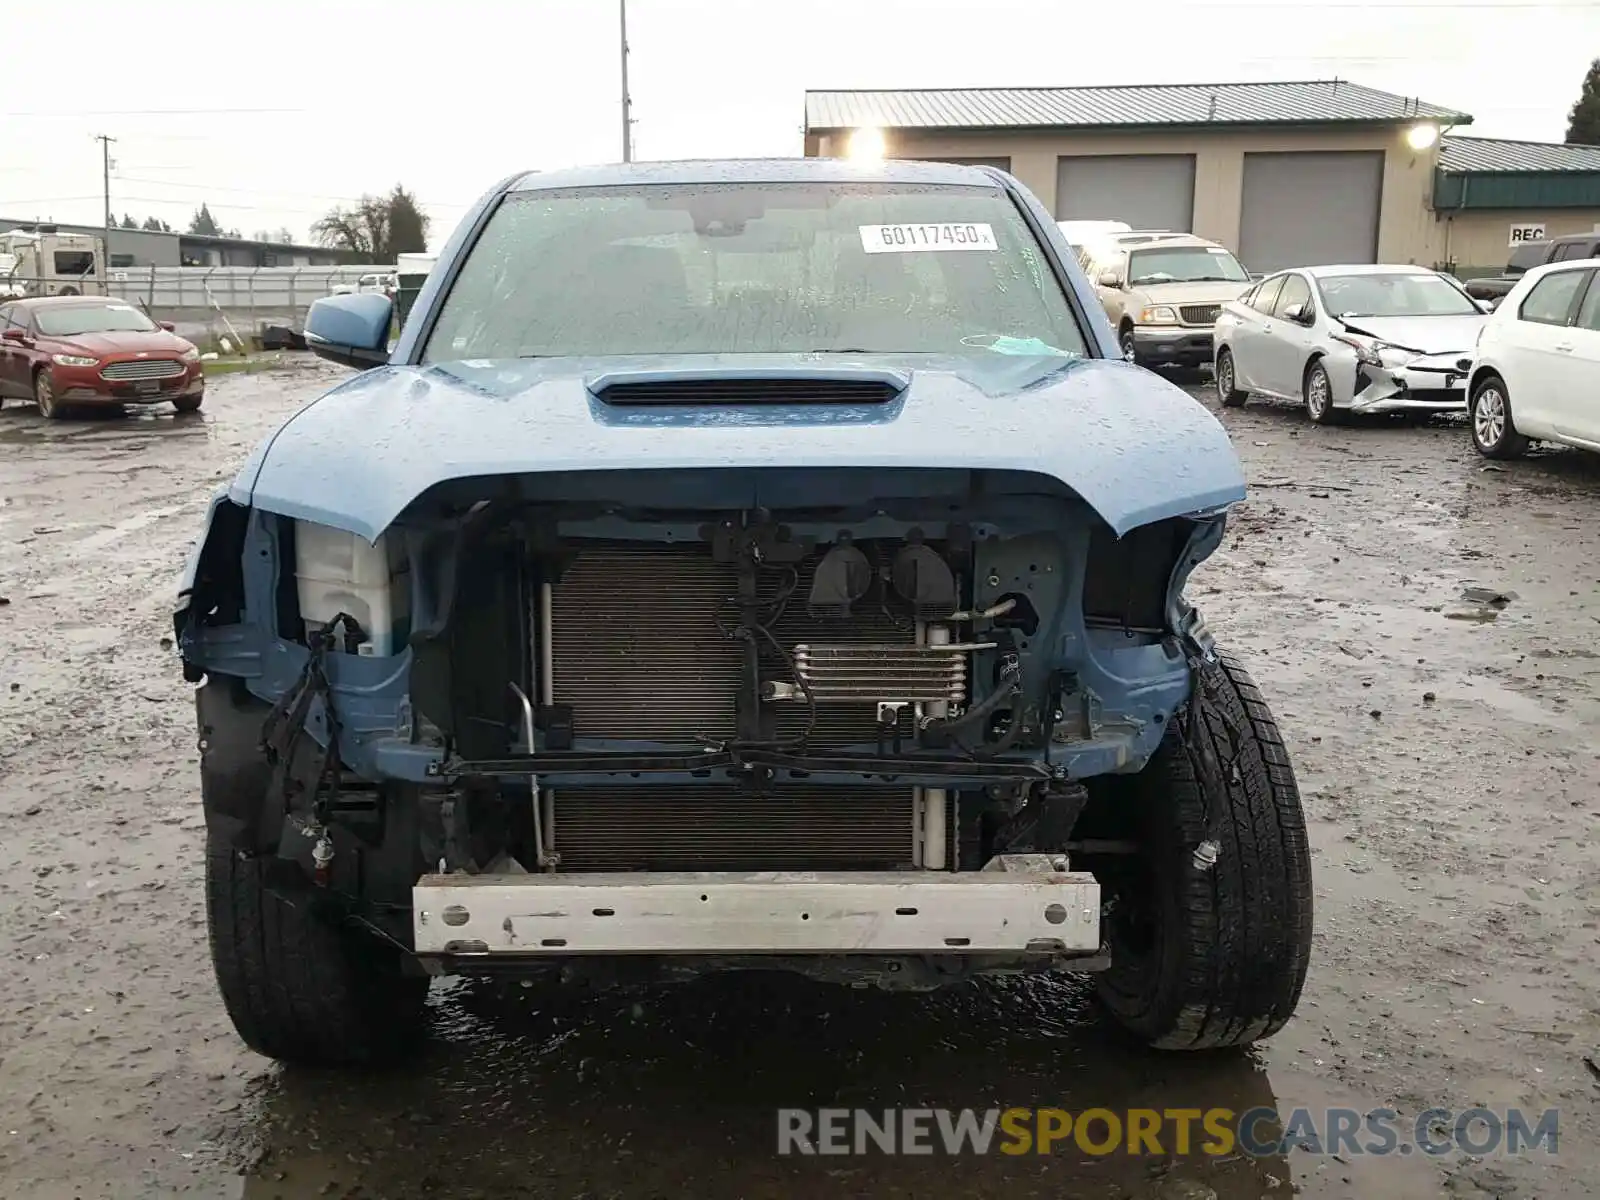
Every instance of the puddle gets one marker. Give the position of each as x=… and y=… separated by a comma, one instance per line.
x=654, y=1085
x=1508, y=703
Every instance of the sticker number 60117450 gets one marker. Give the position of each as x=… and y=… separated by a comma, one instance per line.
x=943, y=235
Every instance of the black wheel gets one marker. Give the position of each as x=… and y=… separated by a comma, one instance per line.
x=188, y=404
x=1231, y=396
x=44, y=395
x=1209, y=925
x=298, y=987
x=1494, y=430
x=1317, y=389
x=1125, y=340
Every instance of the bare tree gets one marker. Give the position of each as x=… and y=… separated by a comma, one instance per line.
x=378, y=228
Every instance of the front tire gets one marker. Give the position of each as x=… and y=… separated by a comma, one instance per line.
x=1317, y=390
x=1130, y=352
x=44, y=395
x=298, y=987
x=1494, y=431
x=1227, y=377
x=1210, y=934
x=188, y=404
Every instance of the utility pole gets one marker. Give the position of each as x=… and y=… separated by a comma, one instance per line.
x=105, y=172
x=627, y=104
x=103, y=267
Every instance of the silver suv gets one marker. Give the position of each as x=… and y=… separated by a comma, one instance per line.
x=1163, y=292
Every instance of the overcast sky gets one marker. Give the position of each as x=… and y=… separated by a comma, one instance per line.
x=271, y=112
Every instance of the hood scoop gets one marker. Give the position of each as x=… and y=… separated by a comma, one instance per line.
x=822, y=388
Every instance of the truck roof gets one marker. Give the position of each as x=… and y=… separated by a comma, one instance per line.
x=757, y=170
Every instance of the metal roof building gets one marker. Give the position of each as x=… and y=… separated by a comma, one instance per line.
x=149, y=248
x=1285, y=174
x=1491, y=193
x=1154, y=106
x=1475, y=155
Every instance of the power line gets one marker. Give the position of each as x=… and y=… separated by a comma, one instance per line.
x=65, y=114
x=225, y=206
x=209, y=188
x=46, y=200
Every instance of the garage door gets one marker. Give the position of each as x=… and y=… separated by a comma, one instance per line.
x=1311, y=208
x=1148, y=191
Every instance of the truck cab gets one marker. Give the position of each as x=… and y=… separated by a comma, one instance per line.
x=43, y=262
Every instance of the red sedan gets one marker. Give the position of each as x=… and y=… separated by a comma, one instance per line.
x=66, y=352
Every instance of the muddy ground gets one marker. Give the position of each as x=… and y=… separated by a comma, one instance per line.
x=1446, y=751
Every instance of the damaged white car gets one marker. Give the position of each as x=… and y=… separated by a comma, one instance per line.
x=1350, y=339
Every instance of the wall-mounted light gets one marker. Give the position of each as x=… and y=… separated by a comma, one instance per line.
x=1422, y=137
x=866, y=144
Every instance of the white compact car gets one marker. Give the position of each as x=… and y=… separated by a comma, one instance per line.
x=1536, y=373
x=1350, y=339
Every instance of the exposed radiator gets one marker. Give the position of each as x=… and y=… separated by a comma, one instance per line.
x=710, y=828
x=638, y=654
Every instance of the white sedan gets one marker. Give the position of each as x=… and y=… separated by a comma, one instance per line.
x=1536, y=373
x=1350, y=339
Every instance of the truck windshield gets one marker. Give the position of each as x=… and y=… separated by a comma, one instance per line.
x=1526, y=257
x=754, y=268
x=70, y=320
x=1185, y=264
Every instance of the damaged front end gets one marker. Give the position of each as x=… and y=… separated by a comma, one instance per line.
x=773, y=712
x=1392, y=378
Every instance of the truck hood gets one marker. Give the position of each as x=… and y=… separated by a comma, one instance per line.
x=1425, y=335
x=1133, y=446
x=1202, y=292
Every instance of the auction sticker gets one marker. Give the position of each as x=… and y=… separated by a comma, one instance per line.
x=943, y=235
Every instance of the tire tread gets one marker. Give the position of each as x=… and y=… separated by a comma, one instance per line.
x=297, y=987
x=1234, y=973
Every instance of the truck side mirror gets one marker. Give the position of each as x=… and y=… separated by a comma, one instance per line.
x=351, y=329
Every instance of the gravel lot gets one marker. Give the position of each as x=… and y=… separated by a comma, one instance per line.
x=1446, y=751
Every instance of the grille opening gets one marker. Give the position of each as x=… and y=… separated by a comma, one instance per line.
x=749, y=391
x=150, y=368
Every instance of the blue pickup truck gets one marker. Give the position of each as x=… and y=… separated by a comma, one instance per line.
x=735, y=565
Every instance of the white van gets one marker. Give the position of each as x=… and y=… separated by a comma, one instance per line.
x=1080, y=233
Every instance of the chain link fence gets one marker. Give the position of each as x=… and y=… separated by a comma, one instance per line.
x=208, y=303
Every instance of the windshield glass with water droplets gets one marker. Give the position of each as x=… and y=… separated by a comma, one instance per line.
x=755, y=269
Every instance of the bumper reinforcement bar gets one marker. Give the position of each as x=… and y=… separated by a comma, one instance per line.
x=792, y=913
x=585, y=762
